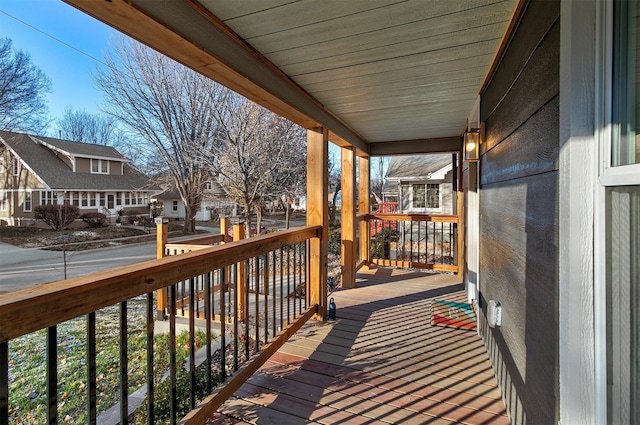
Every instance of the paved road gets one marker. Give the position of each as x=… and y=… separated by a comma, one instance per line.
x=26, y=267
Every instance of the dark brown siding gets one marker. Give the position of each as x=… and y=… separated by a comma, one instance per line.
x=519, y=215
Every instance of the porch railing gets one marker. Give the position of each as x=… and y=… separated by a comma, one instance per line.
x=415, y=241
x=258, y=288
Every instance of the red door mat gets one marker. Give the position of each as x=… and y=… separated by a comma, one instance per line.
x=453, y=314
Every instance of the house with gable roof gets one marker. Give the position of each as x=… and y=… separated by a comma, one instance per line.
x=420, y=184
x=37, y=170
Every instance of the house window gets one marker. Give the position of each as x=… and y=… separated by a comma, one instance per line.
x=426, y=196
x=419, y=196
x=433, y=196
x=209, y=186
x=92, y=199
x=48, y=197
x=99, y=166
x=27, y=206
x=622, y=235
x=625, y=146
x=84, y=199
x=3, y=201
x=174, y=206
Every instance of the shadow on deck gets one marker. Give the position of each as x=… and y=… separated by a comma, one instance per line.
x=381, y=361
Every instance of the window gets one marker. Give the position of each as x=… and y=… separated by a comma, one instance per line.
x=27, y=206
x=99, y=166
x=621, y=178
x=174, y=206
x=419, y=196
x=625, y=146
x=426, y=196
x=48, y=197
x=3, y=201
x=433, y=196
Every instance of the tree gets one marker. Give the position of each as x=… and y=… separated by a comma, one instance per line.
x=82, y=126
x=169, y=107
x=23, y=87
x=262, y=155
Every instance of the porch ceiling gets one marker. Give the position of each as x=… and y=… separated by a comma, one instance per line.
x=376, y=73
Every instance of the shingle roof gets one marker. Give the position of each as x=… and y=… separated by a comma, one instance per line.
x=57, y=175
x=86, y=150
x=411, y=168
x=416, y=165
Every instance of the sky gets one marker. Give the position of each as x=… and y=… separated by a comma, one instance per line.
x=64, y=43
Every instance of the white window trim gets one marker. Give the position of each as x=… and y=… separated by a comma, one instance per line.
x=101, y=167
x=30, y=193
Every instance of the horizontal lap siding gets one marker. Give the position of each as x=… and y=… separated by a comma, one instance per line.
x=519, y=215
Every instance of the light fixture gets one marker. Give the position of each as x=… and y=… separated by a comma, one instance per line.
x=471, y=145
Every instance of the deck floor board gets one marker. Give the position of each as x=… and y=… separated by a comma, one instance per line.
x=380, y=362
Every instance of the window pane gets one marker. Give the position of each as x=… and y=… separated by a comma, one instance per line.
x=623, y=305
x=625, y=147
x=419, y=196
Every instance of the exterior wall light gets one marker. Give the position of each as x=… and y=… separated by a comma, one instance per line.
x=471, y=145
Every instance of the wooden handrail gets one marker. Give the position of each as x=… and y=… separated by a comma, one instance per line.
x=29, y=310
x=439, y=218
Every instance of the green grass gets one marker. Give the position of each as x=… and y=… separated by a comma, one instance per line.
x=27, y=365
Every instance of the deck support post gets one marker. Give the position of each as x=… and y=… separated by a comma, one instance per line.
x=162, y=237
x=238, y=235
x=348, y=218
x=318, y=214
x=364, y=207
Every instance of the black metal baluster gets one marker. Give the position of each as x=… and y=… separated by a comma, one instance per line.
x=124, y=366
x=173, y=381
x=295, y=288
x=150, y=365
x=266, y=298
x=91, y=368
x=256, y=284
x=4, y=383
x=52, y=375
x=281, y=289
x=192, y=343
x=246, y=309
x=274, y=292
x=223, y=327
x=301, y=276
x=208, y=303
x=288, y=285
x=418, y=253
x=410, y=240
x=237, y=315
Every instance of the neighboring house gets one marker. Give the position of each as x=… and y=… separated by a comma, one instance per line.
x=420, y=184
x=215, y=202
x=42, y=170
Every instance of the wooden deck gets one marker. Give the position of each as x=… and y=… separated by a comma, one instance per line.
x=381, y=361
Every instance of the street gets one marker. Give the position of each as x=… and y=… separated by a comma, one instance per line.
x=22, y=268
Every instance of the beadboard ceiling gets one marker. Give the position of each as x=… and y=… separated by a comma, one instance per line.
x=371, y=71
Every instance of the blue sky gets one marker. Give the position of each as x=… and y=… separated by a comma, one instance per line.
x=68, y=69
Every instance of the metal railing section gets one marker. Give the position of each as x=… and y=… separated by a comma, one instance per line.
x=414, y=241
x=257, y=289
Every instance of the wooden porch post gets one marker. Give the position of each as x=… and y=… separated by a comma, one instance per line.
x=162, y=237
x=318, y=214
x=364, y=194
x=238, y=235
x=348, y=218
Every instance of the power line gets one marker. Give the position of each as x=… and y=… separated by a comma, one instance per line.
x=52, y=37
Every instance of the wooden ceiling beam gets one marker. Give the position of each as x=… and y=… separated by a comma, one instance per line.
x=213, y=50
x=421, y=146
